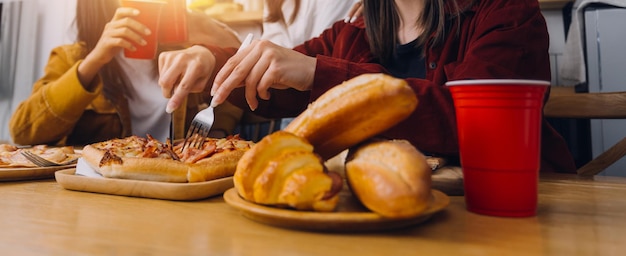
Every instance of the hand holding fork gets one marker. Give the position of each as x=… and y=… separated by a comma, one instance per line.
x=203, y=121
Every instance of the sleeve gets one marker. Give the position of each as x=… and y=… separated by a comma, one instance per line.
x=496, y=39
x=56, y=103
x=227, y=117
x=206, y=30
x=342, y=52
x=505, y=39
x=509, y=39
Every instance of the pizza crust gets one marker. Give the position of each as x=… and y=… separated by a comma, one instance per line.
x=152, y=169
x=218, y=165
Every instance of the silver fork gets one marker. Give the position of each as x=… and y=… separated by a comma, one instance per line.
x=203, y=121
x=42, y=162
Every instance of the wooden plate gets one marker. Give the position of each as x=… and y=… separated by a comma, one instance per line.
x=140, y=188
x=350, y=216
x=30, y=173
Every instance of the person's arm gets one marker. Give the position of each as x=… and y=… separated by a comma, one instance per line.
x=57, y=101
x=70, y=83
x=207, y=31
x=505, y=39
x=118, y=34
x=492, y=43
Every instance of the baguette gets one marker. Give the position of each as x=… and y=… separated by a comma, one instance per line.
x=390, y=177
x=354, y=111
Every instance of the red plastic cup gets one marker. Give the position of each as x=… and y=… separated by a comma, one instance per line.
x=150, y=12
x=173, y=27
x=499, y=130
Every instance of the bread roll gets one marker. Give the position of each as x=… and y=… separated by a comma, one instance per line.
x=353, y=112
x=282, y=170
x=390, y=177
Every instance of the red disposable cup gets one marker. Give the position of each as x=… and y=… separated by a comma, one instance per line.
x=149, y=15
x=173, y=27
x=499, y=130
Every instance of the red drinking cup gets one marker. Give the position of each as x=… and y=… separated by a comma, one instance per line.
x=173, y=27
x=149, y=15
x=499, y=132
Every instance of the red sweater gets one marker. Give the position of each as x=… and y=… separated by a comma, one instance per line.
x=496, y=39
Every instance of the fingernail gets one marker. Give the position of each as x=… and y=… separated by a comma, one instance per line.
x=169, y=109
x=353, y=19
x=147, y=32
x=346, y=19
x=212, y=90
x=213, y=104
x=135, y=12
x=144, y=42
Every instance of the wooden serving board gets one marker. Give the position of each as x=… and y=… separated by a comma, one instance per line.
x=30, y=173
x=139, y=188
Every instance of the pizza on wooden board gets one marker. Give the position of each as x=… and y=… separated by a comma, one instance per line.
x=11, y=157
x=141, y=158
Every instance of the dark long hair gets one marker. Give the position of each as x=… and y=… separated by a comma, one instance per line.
x=382, y=21
x=91, y=17
x=275, y=12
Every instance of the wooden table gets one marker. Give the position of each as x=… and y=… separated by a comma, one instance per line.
x=576, y=216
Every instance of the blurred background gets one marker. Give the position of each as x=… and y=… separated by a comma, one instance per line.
x=30, y=29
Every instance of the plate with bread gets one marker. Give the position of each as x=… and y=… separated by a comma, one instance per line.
x=283, y=180
x=350, y=215
x=14, y=166
x=145, y=167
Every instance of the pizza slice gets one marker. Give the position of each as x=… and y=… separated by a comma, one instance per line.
x=141, y=158
x=11, y=157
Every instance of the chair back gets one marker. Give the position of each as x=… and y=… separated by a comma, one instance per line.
x=564, y=102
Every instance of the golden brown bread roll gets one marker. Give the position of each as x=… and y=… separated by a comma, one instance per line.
x=390, y=177
x=282, y=170
x=353, y=112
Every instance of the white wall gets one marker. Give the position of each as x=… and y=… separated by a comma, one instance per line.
x=44, y=24
x=55, y=19
x=556, y=29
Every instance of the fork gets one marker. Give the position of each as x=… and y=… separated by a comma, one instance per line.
x=42, y=162
x=203, y=121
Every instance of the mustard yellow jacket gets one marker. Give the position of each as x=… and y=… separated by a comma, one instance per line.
x=60, y=111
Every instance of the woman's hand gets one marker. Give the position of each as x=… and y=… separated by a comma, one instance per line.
x=261, y=66
x=184, y=71
x=120, y=33
x=355, y=11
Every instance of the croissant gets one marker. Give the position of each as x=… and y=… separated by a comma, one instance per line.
x=282, y=170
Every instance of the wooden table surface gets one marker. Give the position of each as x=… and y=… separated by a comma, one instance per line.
x=576, y=216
